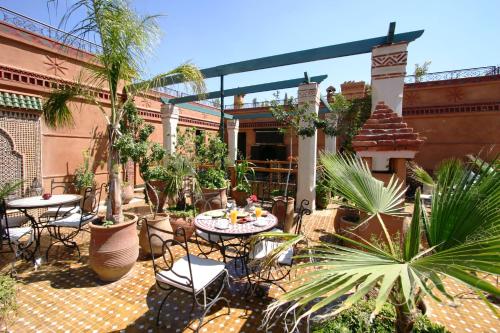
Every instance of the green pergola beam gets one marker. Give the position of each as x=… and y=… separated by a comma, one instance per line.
x=285, y=59
x=248, y=89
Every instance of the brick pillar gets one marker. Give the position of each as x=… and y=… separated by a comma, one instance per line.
x=388, y=71
x=330, y=140
x=306, y=184
x=233, y=126
x=170, y=119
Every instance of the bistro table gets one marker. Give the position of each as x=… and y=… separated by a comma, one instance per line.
x=210, y=223
x=37, y=202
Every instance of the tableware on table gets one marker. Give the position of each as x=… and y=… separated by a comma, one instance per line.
x=258, y=212
x=233, y=215
x=46, y=196
x=242, y=213
x=215, y=213
x=260, y=222
x=222, y=224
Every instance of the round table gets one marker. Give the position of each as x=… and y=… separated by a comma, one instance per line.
x=36, y=202
x=241, y=231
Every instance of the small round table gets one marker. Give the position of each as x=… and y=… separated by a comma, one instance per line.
x=36, y=202
x=242, y=231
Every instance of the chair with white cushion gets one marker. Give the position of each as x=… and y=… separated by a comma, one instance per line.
x=281, y=268
x=16, y=235
x=178, y=270
x=59, y=188
x=66, y=225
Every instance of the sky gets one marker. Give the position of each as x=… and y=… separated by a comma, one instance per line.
x=458, y=34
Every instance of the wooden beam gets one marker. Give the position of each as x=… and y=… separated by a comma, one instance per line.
x=291, y=58
x=293, y=83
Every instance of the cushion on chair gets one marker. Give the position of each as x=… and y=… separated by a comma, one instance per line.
x=15, y=221
x=16, y=233
x=204, y=272
x=72, y=221
x=52, y=211
x=264, y=247
x=211, y=237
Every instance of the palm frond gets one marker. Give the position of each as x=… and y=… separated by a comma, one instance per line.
x=56, y=112
x=9, y=188
x=419, y=174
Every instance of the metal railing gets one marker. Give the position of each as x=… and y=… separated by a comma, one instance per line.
x=27, y=23
x=453, y=75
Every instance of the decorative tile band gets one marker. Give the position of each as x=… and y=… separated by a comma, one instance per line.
x=390, y=59
x=463, y=108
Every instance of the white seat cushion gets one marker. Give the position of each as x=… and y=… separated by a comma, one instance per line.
x=204, y=272
x=16, y=233
x=263, y=248
x=52, y=211
x=15, y=221
x=71, y=221
x=211, y=237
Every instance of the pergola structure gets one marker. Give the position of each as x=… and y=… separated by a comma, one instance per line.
x=389, y=58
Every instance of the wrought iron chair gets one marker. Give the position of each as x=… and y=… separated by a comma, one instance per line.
x=59, y=188
x=189, y=273
x=281, y=268
x=16, y=235
x=67, y=225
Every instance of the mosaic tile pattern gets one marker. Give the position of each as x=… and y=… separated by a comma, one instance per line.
x=66, y=296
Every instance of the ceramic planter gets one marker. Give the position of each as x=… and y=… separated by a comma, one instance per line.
x=113, y=250
x=240, y=197
x=160, y=221
x=284, y=213
x=186, y=223
x=127, y=193
x=158, y=200
x=217, y=197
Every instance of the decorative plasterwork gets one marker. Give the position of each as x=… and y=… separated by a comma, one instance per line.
x=390, y=59
x=455, y=94
x=55, y=65
x=463, y=108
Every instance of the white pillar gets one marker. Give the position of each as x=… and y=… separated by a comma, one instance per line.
x=233, y=125
x=330, y=140
x=388, y=72
x=170, y=119
x=306, y=182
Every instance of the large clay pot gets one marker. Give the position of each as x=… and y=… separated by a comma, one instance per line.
x=352, y=214
x=160, y=221
x=216, y=197
x=160, y=193
x=240, y=197
x=284, y=213
x=187, y=224
x=113, y=250
x=127, y=193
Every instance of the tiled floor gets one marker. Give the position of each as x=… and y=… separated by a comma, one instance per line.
x=65, y=296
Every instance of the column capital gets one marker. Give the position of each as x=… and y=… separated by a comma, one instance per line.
x=233, y=124
x=389, y=61
x=169, y=111
x=309, y=93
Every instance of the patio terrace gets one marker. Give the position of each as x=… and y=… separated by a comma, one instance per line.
x=66, y=296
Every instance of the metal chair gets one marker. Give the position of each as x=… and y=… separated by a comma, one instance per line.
x=281, y=268
x=16, y=235
x=67, y=225
x=59, y=188
x=188, y=274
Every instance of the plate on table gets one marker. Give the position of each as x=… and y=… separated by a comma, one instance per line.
x=222, y=224
x=215, y=213
x=242, y=214
x=260, y=222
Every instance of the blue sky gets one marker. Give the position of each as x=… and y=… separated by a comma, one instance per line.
x=458, y=34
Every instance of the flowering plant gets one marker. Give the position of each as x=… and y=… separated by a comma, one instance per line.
x=252, y=198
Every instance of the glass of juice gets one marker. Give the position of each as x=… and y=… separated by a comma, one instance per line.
x=233, y=215
x=258, y=211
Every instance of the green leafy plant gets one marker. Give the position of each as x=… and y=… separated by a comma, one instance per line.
x=126, y=39
x=243, y=170
x=460, y=240
x=178, y=169
x=8, y=299
x=212, y=178
x=9, y=188
x=210, y=151
x=421, y=70
x=84, y=176
x=186, y=212
x=357, y=319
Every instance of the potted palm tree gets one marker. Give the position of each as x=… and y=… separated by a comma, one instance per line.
x=126, y=38
x=459, y=240
x=242, y=190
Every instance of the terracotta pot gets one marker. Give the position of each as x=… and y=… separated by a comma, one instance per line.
x=161, y=221
x=113, y=250
x=87, y=202
x=159, y=186
x=127, y=193
x=342, y=211
x=284, y=213
x=181, y=222
x=217, y=197
x=240, y=197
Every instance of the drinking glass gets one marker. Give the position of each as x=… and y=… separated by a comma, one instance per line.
x=234, y=216
x=258, y=211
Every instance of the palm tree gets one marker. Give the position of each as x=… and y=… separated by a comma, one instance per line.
x=459, y=240
x=126, y=39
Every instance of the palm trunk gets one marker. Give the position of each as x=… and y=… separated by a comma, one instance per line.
x=405, y=319
x=114, y=211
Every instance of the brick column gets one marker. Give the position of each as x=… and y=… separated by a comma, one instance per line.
x=330, y=140
x=233, y=126
x=388, y=71
x=306, y=183
x=170, y=119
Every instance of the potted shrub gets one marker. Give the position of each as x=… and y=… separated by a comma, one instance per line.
x=127, y=192
x=213, y=184
x=8, y=301
x=182, y=218
x=84, y=178
x=323, y=193
x=243, y=188
x=125, y=38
